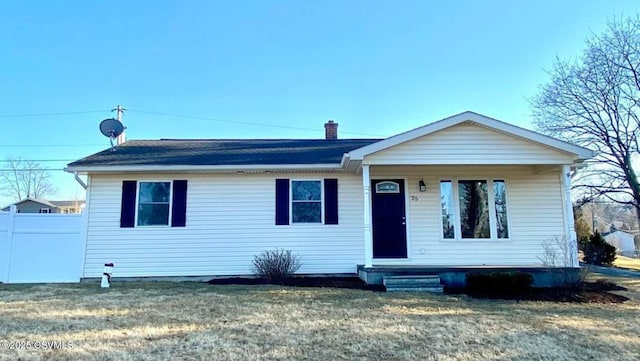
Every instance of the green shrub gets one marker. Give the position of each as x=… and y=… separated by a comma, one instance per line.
x=597, y=251
x=276, y=264
x=498, y=283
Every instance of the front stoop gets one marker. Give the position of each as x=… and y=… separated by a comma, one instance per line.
x=422, y=283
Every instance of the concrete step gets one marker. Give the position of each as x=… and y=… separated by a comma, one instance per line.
x=416, y=281
x=439, y=289
x=424, y=283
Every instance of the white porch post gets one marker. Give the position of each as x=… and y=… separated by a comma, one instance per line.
x=368, y=234
x=570, y=230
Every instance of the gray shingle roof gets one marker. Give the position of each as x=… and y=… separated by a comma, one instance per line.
x=44, y=202
x=67, y=203
x=213, y=152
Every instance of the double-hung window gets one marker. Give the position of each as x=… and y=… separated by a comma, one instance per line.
x=306, y=201
x=474, y=209
x=154, y=203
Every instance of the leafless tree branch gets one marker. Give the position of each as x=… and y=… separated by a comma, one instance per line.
x=594, y=101
x=25, y=179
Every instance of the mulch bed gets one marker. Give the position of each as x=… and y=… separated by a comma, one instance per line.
x=593, y=292
x=332, y=282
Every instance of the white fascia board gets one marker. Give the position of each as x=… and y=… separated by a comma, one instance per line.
x=201, y=168
x=349, y=164
x=580, y=152
x=346, y=161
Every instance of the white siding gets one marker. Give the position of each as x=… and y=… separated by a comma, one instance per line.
x=468, y=144
x=534, y=206
x=230, y=218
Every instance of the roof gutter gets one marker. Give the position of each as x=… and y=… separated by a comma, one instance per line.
x=204, y=168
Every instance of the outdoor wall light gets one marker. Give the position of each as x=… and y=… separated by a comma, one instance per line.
x=423, y=187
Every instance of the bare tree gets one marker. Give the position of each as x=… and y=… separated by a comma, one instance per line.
x=25, y=179
x=594, y=102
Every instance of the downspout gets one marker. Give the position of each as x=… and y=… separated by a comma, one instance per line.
x=573, y=169
x=79, y=180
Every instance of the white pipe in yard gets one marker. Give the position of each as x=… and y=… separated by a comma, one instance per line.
x=106, y=275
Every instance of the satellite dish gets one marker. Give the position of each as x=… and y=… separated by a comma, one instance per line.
x=111, y=128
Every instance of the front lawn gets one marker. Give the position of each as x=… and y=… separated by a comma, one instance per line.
x=627, y=262
x=196, y=321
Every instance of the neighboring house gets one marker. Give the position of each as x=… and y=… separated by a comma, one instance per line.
x=466, y=191
x=36, y=205
x=72, y=207
x=623, y=241
x=617, y=225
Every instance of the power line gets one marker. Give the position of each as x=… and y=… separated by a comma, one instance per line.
x=241, y=122
x=41, y=160
x=253, y=123
x=50, y=114
x=49, y=145
x=30, y=170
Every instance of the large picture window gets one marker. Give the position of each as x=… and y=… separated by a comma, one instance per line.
x=500, y=202
x=306, y=201
x=474, y=209
x=154, y=206
x=446, y=203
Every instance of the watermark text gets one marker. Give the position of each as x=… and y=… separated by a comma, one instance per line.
x=35, y=345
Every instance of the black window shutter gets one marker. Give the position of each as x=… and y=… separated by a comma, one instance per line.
x=128, y=206
x=330, y=201
x=179, y=208
x=282, y=202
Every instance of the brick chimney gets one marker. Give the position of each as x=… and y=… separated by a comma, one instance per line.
x=331, y=130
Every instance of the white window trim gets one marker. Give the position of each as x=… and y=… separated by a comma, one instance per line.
x=291, y=222
x=44, y=211
x=454, y=208
x=168, y=225
x=506, y=199
x=457, y=229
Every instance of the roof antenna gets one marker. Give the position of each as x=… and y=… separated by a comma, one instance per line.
x=119, y=112
x=113, y=128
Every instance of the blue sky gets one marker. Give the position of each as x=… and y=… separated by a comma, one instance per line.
x=377, y=68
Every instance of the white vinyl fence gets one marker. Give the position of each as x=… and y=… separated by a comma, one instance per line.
x=41, y=247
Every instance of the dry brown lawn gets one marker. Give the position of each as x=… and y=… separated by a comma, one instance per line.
x=627, y=262
x=194, y=321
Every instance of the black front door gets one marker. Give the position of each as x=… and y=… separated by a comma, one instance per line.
x=388, y=218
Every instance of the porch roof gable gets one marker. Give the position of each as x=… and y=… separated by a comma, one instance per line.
x=580, y=154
